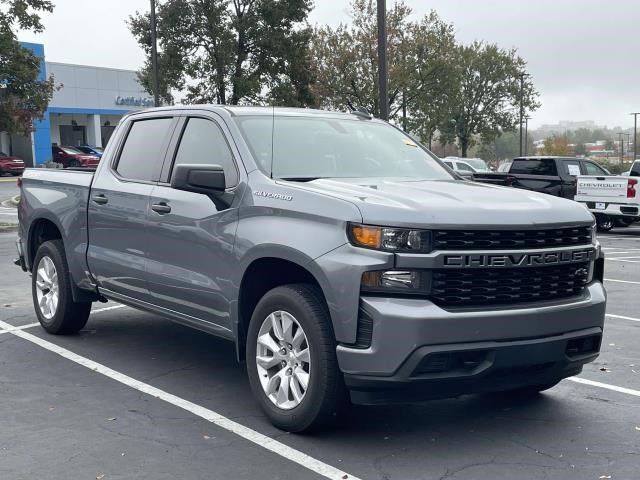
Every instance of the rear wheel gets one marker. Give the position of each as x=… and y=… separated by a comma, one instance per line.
x=51, y=291
x=291, y=359
x=604, y=223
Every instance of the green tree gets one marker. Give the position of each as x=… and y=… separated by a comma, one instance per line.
x=230, y=51
x=487, y=95
x=419, y=53
x=22, y=96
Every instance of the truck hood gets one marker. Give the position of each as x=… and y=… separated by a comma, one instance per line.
x=451, y=203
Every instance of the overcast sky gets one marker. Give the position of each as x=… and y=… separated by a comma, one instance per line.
x=582, y=54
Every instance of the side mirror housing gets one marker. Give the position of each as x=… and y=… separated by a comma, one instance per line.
x=198, y=178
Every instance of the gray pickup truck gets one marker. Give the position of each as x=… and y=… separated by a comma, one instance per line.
x=344, y=260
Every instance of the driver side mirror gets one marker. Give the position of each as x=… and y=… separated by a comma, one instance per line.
x=198, y=178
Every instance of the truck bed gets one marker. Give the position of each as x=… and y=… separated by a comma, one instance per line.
x=60, y=197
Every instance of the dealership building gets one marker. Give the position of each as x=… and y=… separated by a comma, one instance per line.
x=84, y=111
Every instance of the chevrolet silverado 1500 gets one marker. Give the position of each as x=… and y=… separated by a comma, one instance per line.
x=342, y=258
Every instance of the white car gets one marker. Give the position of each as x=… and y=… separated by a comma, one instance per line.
x=459, y=166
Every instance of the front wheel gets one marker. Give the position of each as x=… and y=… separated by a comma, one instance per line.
x=291, y=359
x=51, y=291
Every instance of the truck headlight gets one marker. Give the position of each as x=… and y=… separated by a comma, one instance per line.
x=390, y=239
x=403, y=282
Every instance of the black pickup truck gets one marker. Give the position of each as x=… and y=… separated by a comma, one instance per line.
x=552, y=175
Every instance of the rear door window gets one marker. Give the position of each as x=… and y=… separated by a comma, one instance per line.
x=143, y=152
x=571, y=167
x=534, y=166
x=593, y=169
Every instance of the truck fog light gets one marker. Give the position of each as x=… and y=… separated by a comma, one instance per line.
x=410, y=282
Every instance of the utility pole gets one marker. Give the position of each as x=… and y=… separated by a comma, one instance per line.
x=526, y=135
x=522, y=75
x=154, y=56
x=620, y=135
x=635, y=135
x=383, y=98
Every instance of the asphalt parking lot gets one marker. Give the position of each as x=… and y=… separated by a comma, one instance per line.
x=136, y=396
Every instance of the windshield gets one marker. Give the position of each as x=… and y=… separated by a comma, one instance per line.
x=325, y=147
x=71, y=150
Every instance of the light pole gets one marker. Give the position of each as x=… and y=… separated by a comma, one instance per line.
x=635, y=135
x=383, y=94
x=526, y=135
x=154, y=56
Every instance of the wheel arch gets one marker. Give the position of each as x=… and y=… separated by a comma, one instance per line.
x=258, y=278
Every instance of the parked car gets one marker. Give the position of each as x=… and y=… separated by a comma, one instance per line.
x=613, y=199
x=11, y=164
x=72, y=157
x=339, y=255
x=459, y=166
x=551, y=175
x=97, y=151
x=504, y=167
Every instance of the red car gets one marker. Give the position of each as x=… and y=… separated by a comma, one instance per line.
x=72, y=157
x=9, y=164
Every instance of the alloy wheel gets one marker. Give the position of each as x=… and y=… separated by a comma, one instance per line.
x=283, y=360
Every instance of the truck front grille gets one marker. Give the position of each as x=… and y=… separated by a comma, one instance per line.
x=495, y=286
x=510, y=239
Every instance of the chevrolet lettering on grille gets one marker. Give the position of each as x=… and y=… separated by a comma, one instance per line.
x=511, y=260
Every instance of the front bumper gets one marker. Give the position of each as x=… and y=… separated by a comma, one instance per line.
x=500, y=348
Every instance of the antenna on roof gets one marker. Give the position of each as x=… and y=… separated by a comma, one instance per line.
x=361, y=112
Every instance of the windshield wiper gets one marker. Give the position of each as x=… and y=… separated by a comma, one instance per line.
x=300, y=179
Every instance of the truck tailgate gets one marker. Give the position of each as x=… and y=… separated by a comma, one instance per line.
x=609, y=188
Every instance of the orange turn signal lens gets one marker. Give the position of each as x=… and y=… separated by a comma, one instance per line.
x=365, y=236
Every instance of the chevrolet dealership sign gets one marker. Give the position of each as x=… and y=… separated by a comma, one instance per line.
x=134, y=101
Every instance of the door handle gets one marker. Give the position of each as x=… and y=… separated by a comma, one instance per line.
x=161, y=208
x=100, y=199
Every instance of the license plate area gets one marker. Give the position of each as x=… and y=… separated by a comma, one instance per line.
x=601, y=206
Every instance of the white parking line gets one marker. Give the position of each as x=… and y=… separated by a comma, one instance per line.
x=252, y=436
x=624, y=260
x=621, y=281
x=615, y=388
x=622, y=317
x=106, y=309
x=20, y=327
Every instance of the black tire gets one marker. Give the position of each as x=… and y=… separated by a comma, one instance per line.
x=325, y=398
x=69, y=316
x=74, y=163
x=604, y=223
x=624, y=221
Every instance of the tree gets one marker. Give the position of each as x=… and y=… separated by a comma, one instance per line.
x=506, y=146
x=23, y=96
x=230, y=51
x=556, y=145
x=487, y=95
x=420, y=53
